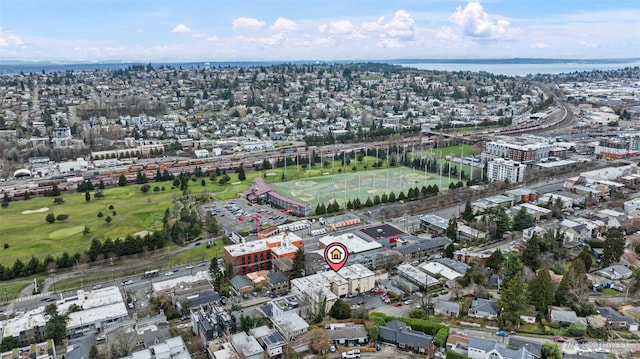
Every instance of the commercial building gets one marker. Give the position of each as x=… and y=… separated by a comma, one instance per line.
x=257, y=255
x=385, y=234
x=500, y=170
x=261, y=191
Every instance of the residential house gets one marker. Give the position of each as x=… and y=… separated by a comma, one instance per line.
x=277, y=283
x=489, y=349
x=484, y=308
x=615, y=272
x=347, y=334
x=241, y=284
x=418, y=249
x=398, y=333
x=270, y=339
x=446, y=309
x=616, y=320
x=564, y=317
x=246, y=346
x=458, y=343
x=575, y=232
x=170, y=348
x=290, y=325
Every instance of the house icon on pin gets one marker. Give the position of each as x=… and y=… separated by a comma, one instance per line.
x=336, y=254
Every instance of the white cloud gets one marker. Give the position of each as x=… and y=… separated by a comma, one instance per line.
x=8, y=39
x=401, y=26
x=212, y=38
x=475, y=22
x=283, y=24
x=181, y=29
x=447, y=33
x=337, y=27
x=138, y=31
x=540, y=45
x=247, y=23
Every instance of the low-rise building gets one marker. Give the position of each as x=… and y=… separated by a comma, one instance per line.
x=398, y=333
x=505, y=170
x=290, y=325
x=484, y=309
x=348, y=334
x=246, y=346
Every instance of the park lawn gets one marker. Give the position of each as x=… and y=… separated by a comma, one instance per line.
x=454, y=151
x=199, y=253
x=13, y=289
x=30, y=235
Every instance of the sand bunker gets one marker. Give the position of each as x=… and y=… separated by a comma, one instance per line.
x=43, y=209
x=270, y=174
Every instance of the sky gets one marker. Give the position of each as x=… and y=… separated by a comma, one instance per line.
x=324, y=30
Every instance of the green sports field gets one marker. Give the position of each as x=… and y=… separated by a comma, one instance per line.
x=361, y=184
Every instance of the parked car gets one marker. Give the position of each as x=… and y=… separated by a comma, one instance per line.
x=361, y=302
x=502, y=333
x=351, y=354
x=127, y=282
x=559, y=339
x=582, y=340
x=398, y=304
x=332, y=348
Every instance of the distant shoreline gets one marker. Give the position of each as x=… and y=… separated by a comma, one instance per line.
x=15, y=67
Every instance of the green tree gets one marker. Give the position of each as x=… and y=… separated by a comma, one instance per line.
x=531, y=253
x=550, y=351
x=374, y=333
x=216, y=273
x=50, y=218
x=56, y=327
x=513, y=297
x=613, y=246
x=122, y=180
x=340, y=310
x=467, y=215
x=541, y=290
x=573, y=289
x=241, y=175
x=62, y=217
x=502, y=221
x=9, y=343
x=452, y=229
x=108, y=219
x=496, y=260
x=5, y=200
x=298, y=264
x=246, y=322
x=449, y=250
x=522, y=220
x=87, y=196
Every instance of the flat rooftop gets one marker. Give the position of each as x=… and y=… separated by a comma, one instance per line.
x=382, y=231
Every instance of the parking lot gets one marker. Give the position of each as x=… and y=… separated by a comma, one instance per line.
x=240, y=216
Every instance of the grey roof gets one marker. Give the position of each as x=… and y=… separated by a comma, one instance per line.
x=531, y=346
x=482, y=344
x=266, y=310
x=443, y=306
x=617, y=268
x=613, y=316
x=457, y=266
x=560, y=315
x=484, y=305
x=81, y=347
x=397, y=332
x=349, y=332
x=201, y=298
x=240, y=281
x=423, y=244
x=276, y=277
x=159, y=335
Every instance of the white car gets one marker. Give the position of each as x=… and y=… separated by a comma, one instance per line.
x=168, y=274
x=188, y=267
x=127, y=282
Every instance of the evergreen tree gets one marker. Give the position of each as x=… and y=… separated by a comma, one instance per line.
x=298, y=264
x=448, y=250
x=467, y=215
x=122, y=180
x=613, y=246
x=496, y=260
x=340, y=310
x=87, y=196
x=522, y=220
x=513, y=297
x=241, y=175
x=452, y=229
x=541, y=290
x=573, y=290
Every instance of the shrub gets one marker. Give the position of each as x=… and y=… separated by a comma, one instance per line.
x=62, y=217
x=100, y=215
x=577, y=329
x=440, y=339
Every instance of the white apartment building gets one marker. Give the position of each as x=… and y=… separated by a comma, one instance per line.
x=500, y=169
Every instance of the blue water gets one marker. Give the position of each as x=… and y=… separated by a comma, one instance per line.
x=509, y=67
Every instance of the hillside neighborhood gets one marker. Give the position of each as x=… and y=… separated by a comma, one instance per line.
x=521, y=241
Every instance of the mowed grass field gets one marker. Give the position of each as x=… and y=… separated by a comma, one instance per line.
x=361, y=184
x=26, y=232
